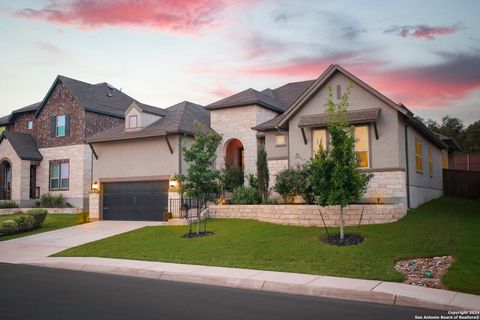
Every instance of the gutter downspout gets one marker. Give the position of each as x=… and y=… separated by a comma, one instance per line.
x=407, y=170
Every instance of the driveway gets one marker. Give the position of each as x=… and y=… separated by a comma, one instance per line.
x=35, y=247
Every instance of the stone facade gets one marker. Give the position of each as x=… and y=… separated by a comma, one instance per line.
x=237, y=123
x=309, y=215
x=50, y=210
x=94, y=206
x=20, y=173
x=79, y=158
x=386, y=186
x=274, y=167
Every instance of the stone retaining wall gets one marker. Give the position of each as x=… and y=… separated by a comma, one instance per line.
x=308, y=215
x=50, y=210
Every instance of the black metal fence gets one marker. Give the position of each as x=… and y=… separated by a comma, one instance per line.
x=181, y=207
x=460, y=183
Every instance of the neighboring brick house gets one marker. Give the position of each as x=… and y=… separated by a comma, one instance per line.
x=43, y=148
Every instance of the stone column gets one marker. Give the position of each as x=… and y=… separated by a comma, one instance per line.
x=94, y=205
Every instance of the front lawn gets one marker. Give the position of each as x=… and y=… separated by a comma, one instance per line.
x=52, y=222
x=446, y=226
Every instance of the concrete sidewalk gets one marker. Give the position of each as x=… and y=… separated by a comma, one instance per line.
x=292, y=283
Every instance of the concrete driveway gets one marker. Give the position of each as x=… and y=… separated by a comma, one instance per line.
x=32, y=248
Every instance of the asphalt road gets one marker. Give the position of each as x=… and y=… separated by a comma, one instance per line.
x=28, y=292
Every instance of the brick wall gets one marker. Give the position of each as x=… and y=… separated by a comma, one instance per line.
x=308, y=215
x=20, y=124
x=95, y=122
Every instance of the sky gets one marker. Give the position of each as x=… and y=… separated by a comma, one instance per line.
x=424, y=54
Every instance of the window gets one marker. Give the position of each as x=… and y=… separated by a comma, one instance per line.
x=132, y=121
x=444, y=162
x=430, y=162
x=361, y=145
x=280, y=140
x=30, y=125
x=319, y=140
x=60, y=126
x=59, y=175
x=418, y=156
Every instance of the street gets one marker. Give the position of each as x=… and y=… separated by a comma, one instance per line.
x=29, y=292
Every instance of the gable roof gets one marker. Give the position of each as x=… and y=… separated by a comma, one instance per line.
x=179, y=119
x=323, y=79
x=11, y=117
x=452, y=143
x=23, y=144
x=4, y=120
x=278, y=99
x=99, y=98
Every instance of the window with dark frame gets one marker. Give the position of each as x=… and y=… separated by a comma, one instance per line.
x=60, y=126
x=59, y=175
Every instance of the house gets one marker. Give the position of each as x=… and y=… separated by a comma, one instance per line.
x=43, y=147
x=403, y=155
x=135, y=162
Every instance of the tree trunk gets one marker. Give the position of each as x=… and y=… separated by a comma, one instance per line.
x=341, y=223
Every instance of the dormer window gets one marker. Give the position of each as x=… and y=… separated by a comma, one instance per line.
x=132, y=122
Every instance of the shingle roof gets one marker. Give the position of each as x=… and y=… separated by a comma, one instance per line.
x=180, y=118
x=452, y=143
x=270, y=124
x=4, y=120
x=278, y=99
x=23, y=144
x=353, y=116
x=100, y=98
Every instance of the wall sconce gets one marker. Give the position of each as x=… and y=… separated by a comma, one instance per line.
x=173, y=183
x=95, y=186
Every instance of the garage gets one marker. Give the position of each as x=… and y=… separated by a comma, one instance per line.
x=135, y=200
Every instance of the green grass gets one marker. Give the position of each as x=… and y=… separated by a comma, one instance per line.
x=446, y=226
x=52, y=222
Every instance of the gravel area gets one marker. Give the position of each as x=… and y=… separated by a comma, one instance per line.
x=425, y=272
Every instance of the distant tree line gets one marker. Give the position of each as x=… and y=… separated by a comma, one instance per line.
x=467, y=137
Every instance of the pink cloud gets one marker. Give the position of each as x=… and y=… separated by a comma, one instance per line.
x=421, y=31
x=179, y=16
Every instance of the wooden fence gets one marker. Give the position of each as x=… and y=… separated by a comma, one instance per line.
x=461, y=183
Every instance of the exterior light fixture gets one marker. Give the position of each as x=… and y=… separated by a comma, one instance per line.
x=173, y=183
x=95, y=186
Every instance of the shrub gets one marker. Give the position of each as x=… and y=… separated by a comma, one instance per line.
x=38, y=215
x=167, y=216
x=287, y=184
x=252, y=181
x=263, y=175
x=232, y=177
x=48, y=200
x=8, y=227
x=25, y=223
x=8, y=204
x=246, y=195
x=304, y=187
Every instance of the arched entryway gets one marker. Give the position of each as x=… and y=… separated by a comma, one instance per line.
x=234, y=154
x=5, y=180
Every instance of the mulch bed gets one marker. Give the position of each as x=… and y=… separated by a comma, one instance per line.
x=425, y=272
x=349, y=239
x=200, y=235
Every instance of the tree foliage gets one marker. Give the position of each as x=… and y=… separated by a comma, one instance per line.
x=263, y=176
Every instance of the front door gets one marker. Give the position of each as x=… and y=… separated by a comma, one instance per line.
x=33, y=182
x=5, y=180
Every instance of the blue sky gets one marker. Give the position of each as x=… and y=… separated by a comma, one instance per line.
x=423, y=54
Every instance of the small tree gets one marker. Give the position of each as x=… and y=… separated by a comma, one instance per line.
x=334, y=175
x=263, y=175
x=202, y=179
x=286, y=184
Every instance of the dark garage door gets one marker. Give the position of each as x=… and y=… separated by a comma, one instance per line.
x=139, y=200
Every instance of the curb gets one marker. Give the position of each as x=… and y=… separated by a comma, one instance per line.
x=381, y=293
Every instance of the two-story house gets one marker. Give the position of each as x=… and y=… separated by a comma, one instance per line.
x=43, y=146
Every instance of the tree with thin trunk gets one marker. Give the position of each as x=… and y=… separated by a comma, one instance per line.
x=335, y=178
x=202, y=181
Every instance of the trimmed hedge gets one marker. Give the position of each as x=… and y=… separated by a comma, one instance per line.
x=8, y=204
x=8, y=227
x=25, y=223
x=38, y=215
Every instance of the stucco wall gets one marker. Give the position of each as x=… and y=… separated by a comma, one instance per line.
x=139, y=158
x=384, y=152
x=236, y=123
x=309, y=215
x=274, y=151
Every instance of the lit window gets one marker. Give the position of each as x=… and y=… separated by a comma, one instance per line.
x=280, y=140
x=30, y=125
x=444, y=162
x=60, y=126
x=361, y=145
x=59, y=175
x=418, y=156
x=319, y=140
x=430, y=162
x=132, y=121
